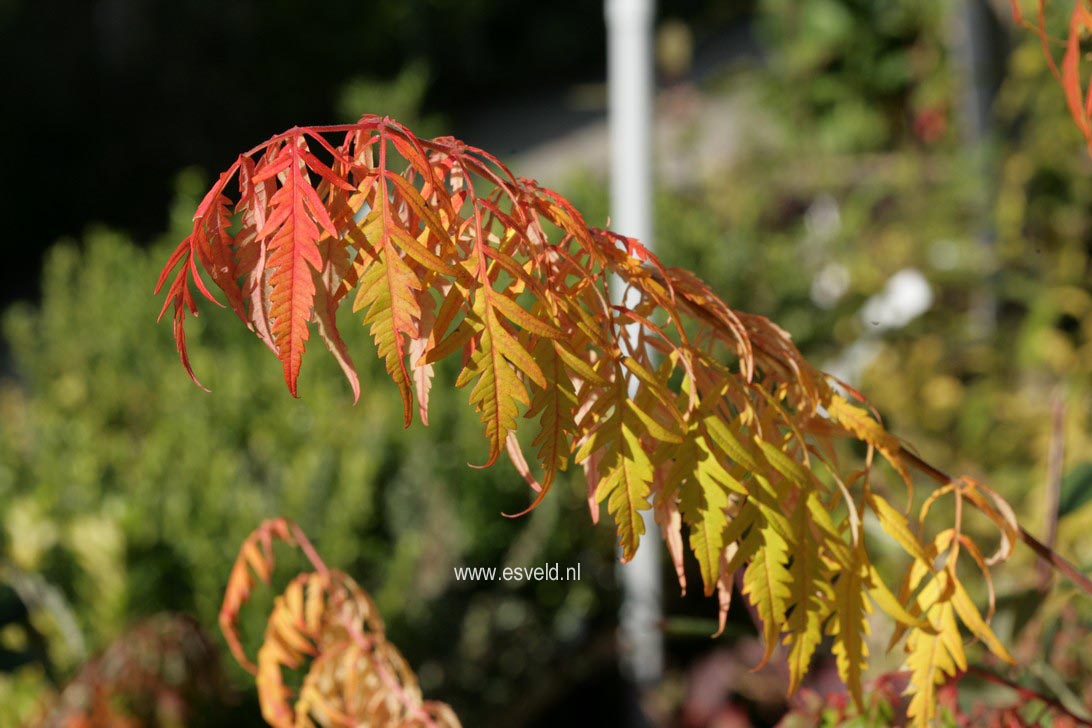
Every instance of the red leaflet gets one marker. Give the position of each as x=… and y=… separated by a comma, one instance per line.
x=292, y=236
x=1078, y=95
x=181, y=298
x=1071, y=72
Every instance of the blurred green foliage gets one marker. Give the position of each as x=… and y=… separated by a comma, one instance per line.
x=859, y=75
x=401, y=98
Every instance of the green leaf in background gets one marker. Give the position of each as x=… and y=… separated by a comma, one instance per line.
x=1076, y=489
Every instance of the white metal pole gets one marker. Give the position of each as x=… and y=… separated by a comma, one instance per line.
x=629, y=82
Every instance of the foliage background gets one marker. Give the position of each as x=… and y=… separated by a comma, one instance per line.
x=125, y=491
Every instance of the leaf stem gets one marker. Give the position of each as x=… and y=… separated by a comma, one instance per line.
x=1044, y=552
x=1025, y=693
x=309, y=550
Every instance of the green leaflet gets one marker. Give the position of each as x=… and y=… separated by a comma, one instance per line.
x=387, y=290
x=810, y=595
x=626, y=477
x=555, y=405
x=703, y=500
x=498, y=390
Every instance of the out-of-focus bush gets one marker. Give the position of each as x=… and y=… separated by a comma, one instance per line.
x=129, y=489
x=859, y=75
x=401, y=98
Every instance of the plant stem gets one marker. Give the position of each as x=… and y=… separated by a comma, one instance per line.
x=1025, y=693
x=1044, y=552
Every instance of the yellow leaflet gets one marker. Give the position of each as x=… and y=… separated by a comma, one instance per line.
x=857, y=421
x=766, y=499
x=522, y=318
x=285, y=627
x=625, y=486
x=605, y=417
x=293, y=599
x=703, y=499
x=766, y=584
x=949, y=634
x=745, y=548
x=454, y=341
x=702, y=505
x=820, y=516
x=726, y=441
x=789, y=468
x=412, y=197
x=935, y=651
x=578, y=365
x=423, y=255
x=454, y=300
x=376, y=230
x=499, y=390
x=388, y=290
x=970, y=616
x=851, y=625
x=555, y=406
x=895, y=524
x=507, y=344
x=314, y=609
x=925, y=662
x=256, y=559
x=888, y=602
x=746, y=516
x=682, y=460
x=808, y=585
x=589, y=325
x=655, y=429
x=654, y=386
x=764, y=496
x=512, y=266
